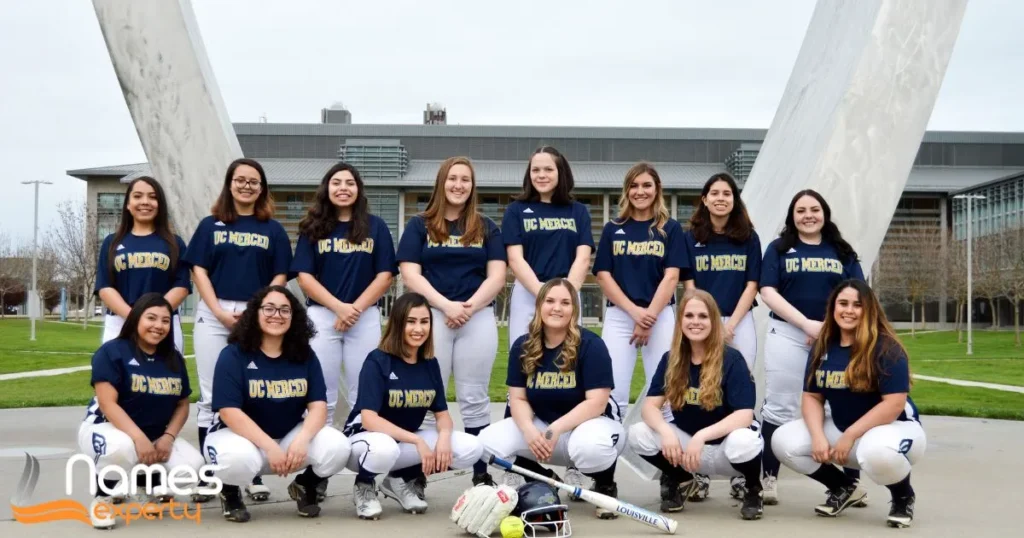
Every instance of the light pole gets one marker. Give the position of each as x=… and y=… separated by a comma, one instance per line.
x=33, y=298
x=970, y=265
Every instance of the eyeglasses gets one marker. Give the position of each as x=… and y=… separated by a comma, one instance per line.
x=251, y=183
x=269, y=310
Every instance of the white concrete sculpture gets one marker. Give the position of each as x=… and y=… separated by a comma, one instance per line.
x=170, y=89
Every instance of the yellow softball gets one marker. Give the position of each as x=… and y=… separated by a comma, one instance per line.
x=512, y=527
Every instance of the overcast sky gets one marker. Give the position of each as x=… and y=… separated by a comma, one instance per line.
x=663, y=63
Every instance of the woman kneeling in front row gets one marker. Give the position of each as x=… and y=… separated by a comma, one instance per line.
x=711, y=394
x=265, y=380
x=860, y=369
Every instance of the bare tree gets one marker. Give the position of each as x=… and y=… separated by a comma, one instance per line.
x=1012, y=273
x=986, y=274
x=12, y=272
x=74, y=240
x=956, y=279
x=909, y=272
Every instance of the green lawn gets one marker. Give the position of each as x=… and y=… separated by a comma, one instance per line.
x=995, y=360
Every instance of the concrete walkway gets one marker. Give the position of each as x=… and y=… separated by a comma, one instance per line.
x=967, y=484
x=44, y=373
x=978, y=384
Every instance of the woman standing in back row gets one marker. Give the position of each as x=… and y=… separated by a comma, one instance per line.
x=236, y=251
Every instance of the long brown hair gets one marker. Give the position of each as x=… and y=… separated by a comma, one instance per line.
x=224, y=208
x=533, y=347
x=322, y=215
x=874, y=336
x=161, y=225
x=738, y=228
x=680, y=357
x=626, y=208
x=393, y=339
x=471, y=223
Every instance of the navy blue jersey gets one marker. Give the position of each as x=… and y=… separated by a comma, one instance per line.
x=551, y=392
x=549, y=235
x=848, y=407
x=806, y=275
x=723, y=268
x=241, y=257
x=147, y=389
x=399, y=392
x=274, y=393
x=142, y=264
x=637, y=257
x=455, y=271
x=737, y=393
x=345, y=269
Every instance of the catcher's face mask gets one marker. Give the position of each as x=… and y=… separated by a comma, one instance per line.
x=552, y=518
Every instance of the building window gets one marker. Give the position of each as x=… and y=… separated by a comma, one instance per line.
x=385, y=205
x=108, y=212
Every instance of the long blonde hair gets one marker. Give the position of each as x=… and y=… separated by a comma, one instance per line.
x=471, y=223
x=533, y=347
x=626, y=209
x=680, y=357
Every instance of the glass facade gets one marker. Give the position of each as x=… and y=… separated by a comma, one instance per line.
x=108, y=213
x=1001, y=209
x=376, y=158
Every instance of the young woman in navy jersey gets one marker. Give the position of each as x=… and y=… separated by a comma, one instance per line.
x=455, y=257
x=711, y=394
x=141, y=403
x=799, y=270
x=724, y=259
x=271, y=404
x=860, y=369
x=547, y=234
x=345, y=261
x=399, y=383
x=234, y=252
x=560, y=382
x=142, y=256
x=638, y=262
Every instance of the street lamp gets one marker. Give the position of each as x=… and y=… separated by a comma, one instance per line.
x=33, y=298
x=970, y=265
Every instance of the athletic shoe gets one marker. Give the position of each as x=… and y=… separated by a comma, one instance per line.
x=401, y=491
x=612, y=490
x=753, y=505
x=232, y=505
x=702, y=490
x=901, y=513
x=305, y=497
x=321, y=491
x=118, y=499
x=575, y=478
x=770, y=490
x=419, y=486
x=513, y=480
x=199, y=498
x=863, y=503
x=98, y=522
x=257, y=491
x=672, y=497
x=483, y=478
x=364, y=496
x=839, y=500
x=737, y=487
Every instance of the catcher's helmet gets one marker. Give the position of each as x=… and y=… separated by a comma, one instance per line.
x=541, y=510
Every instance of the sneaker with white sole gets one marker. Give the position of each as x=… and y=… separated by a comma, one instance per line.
x=839, y=500
x=702, y=490
x=257, y=491
x=738, y=487
x=401, y=491
x=513, y=480
x=612, y=490
x=575, y=478
x=770, y=490
x=364, y=496
x=98, y=522
x=902, y=512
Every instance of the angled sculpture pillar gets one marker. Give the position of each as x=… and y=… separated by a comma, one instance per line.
x=850, y=123
x=173, y=98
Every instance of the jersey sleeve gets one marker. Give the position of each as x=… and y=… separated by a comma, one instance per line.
x=893, y=371
x=739, y=385
x=854, y=270
x=186, y=384
x=304, y=260
x=200, y=249
x=494, y=243
x=753, y=258
x=511, y=228
x=102, y=264
x=603, y=260
x=384, y=251
x=282, y=250
x=317, y=391
x=440, y=402
x=515, y=376
x=676, y=253
x=410, y=246
x=770, y=267
x=228, y=380
x=373, y=384
x=182, y=276
x=106, y=367
x=809, y=382
x=658, y=381
x=596, y=365
x=583, y=225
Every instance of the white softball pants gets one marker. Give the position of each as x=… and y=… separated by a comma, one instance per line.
x=617, y=330
x=739, y=446
x=209, y=338
x=785, y=359
x=592, y=447
x=469, y=351
x=378, y=453
x=885, y=453
x=242, y=460
x=744, y=339
x=522, y=305
x=112, y=324
x=338, y=349
x=107, y=445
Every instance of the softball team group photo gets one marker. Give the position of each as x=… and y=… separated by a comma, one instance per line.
x=274, y=369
